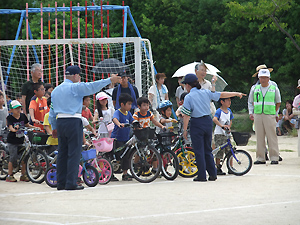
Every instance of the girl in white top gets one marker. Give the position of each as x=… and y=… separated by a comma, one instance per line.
x=159, y=90
x=102, y=110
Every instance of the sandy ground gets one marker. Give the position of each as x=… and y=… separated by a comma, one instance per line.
x=268, y=194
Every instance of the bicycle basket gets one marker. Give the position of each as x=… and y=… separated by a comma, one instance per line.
x=144, y=134
x=165, y=138
x=89, y=154
x=104, y=144
x=38, y=138
x=241, y=138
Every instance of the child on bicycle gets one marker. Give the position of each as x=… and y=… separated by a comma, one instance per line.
x=144, y=116
x=38, y=105
x=86, y=112
x=15, y=138
x=165, y=109
x=121, y=133
x=223, y=119
x=102, y=110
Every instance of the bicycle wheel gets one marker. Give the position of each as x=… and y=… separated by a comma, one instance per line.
x=90, y=176
x=170, y=165
x=4, y=159
x=36, y=166
x=105, y=170
x=187, y=165
x=50, y=177
x=146, y=167
x=240, y=164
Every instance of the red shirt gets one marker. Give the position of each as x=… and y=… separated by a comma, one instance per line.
x=87, y=114
x=39, y=105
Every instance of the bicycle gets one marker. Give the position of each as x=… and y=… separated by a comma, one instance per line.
x=145, y=161
x=239, y=162
x=87, y=171
x=36, y=161
x=170, y=164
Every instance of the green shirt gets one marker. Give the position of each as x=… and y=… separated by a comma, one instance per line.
x=27, y=89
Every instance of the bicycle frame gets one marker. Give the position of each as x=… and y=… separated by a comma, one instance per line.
x=228, y=143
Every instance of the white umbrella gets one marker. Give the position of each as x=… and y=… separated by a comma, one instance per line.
x=211, y=71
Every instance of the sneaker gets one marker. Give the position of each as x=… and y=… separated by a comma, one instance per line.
x=126, y=177
x=79, y=181
x=220, y=172
x=113, y=178
x=24, y=178
x=11, y=179
x=274, y=162
x=259, y=162
x=280, y=158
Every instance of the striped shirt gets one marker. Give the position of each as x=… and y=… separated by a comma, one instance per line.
x=145, y=119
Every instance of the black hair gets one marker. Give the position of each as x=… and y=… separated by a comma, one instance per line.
x=99, y=109
x=223, y=99
x=86, y=97
x=47, y=93
x=290, y=102
x=182, y=96
x=142, y=100
x=48, y=86
x=195, y=84
x=124, y=98
x=36, y=86
x=164, y=109
x=49, y=101
x=1, y=94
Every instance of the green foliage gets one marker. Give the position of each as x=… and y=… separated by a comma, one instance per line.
x=242, y=123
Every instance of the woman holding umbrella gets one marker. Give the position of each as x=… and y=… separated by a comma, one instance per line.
x=196, y=108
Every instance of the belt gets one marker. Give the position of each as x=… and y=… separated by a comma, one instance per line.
x=66, y=115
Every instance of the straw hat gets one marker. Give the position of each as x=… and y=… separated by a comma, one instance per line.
x=261, y=67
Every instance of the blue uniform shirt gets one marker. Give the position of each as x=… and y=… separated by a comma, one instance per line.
x=197, y=102
x=122, y=134
x=68, y=96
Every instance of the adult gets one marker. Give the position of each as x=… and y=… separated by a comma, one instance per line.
x=200, y=71
x=159, y=90
x=27, y=88
x=266, y=100
x=65, y=119
x=196, y=107
x=125, y=87
x=289, y=119
x=296, y=105
x=179, y=91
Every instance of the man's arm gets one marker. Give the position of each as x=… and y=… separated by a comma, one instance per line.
x=24, y=104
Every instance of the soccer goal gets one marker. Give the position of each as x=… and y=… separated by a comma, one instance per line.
x=16, y=58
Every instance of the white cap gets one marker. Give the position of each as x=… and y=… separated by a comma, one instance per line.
x=263, y=73
x=15, y=104
x=101, y=96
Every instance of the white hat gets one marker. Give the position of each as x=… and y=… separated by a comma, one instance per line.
x=263, y=73
x=101, y=96
x=15, y=104
x=298, y=83
x=264, y=66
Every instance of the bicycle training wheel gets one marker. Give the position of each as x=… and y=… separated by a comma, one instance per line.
x=36, y=166
x=187, y=164
x=90, y=176
x=146, y=167
x=4, y=159
x=50, y=177
x=240, y=164
x=170, y=165
x=105, y=170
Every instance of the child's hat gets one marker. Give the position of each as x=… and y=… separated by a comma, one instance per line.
x=15, y=104
x=101, y=96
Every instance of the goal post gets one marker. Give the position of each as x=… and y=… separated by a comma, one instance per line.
x=17, y=56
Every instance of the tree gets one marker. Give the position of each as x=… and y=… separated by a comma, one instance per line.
x=267, y=11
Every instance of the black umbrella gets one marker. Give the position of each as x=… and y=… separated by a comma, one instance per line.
x=109, y=66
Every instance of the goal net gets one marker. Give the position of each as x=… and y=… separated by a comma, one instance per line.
x=55, y=55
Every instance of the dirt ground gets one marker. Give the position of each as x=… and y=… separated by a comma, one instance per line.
x=268, y=194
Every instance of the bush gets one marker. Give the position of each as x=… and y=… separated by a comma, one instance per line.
x=242, y=123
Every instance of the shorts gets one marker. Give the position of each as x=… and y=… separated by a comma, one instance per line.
x=14, y=153
x=221, y=139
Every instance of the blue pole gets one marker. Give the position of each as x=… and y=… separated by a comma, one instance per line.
x=124, y=32
x=33, y=46
x=14, y=48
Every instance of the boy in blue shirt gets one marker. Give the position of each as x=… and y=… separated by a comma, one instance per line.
x=223, y=119
x=120, y=133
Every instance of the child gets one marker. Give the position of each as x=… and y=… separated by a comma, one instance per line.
x=144, y=116
x=279, y=130
x=38, y=105
x=15, y=138
x=51, y=141
x=86, y=124
x=223, y=119
x=165, y=109
x=103, y=111
x=120, y=133
x=3, y=111
x=178, y=111
x=49, y=88
x=179, y=91
x=86, y=112
x=289, y=119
